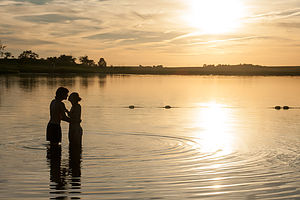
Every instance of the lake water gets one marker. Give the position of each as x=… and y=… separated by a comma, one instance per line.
x=222, y=138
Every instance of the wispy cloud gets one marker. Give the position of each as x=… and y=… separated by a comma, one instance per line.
x=289, y=25
x=22, y=41
x=135, y=36
x=138, y=26
x=49, y=18
x=280, y=14
x=38, y=2
x=23, y=2
x=227, y=40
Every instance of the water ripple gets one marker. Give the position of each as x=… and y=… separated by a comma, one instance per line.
x=176, y=165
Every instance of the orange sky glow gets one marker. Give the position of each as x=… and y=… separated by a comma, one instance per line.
x=171, y=33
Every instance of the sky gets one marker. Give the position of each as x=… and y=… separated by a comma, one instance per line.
x=156, y=32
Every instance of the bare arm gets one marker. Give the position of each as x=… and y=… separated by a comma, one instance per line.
x=68, y=112
x=63, y=113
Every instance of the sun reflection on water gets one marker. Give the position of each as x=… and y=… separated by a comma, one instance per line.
x=214, y=129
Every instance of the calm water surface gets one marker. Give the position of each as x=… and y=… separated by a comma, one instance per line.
x=220, y=140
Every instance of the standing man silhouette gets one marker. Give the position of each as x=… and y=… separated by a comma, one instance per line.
x=57, y=113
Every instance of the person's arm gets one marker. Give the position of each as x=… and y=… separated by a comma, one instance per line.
x=68, y=112
x=63, y=113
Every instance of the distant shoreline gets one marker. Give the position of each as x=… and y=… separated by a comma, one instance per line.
x=229, y=70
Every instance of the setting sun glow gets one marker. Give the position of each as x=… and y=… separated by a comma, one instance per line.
x=215, y=16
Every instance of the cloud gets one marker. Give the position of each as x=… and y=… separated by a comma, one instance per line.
x=230, y=39
x=226, y=39
x=26, y=42
x=134, y=36
x=289, y=25
x=5, y=32
x=49, y=18
x=112, y=27
x=144, y=16
x=38, y=2
x=278, y=14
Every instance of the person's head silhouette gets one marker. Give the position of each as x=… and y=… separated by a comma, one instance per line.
x=74, y=98
x=61, y=93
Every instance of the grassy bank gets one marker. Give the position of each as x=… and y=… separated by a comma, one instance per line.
x=224, y=70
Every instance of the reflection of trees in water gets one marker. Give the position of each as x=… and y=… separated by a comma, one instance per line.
x=28, y=83
x=66, y=81
x=56, y=81
x=87, y=80
x=64, y=177
x=7, y=82
x=102, y=80
x=24, y=81
x=1, y=92
x=2, y=86
x=51, y=81
x=84, y=81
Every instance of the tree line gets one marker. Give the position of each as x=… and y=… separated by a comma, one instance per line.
x=30, y=57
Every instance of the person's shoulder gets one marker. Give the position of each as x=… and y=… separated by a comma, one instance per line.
x=53, y=102
x=57, y=103
x=78, y=106
x=62, y=104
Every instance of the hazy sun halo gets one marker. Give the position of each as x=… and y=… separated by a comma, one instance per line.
x=215, y=16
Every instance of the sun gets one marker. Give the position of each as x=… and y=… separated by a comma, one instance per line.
x=215, y=16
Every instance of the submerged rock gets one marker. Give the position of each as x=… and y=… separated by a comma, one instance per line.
x=131, y=106
x=286, y=107
x=277, y=107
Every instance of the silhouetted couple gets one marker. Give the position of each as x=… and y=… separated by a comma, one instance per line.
x=58, y=113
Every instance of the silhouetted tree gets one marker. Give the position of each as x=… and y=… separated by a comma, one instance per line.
x=52, y=59
x=102, y=63
x=86, y=61
x=28, y=55
x=64, y=59
x=61, y=60
x=2, y=47
x=7, y=55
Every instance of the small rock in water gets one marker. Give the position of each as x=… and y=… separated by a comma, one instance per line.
x=286, y=107
x=131, y=106
x=167, y=107
x=277, y=107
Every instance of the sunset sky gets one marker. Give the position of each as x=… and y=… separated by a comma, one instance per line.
x=167, y=32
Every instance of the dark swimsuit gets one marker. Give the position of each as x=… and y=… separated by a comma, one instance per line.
x=53, y=133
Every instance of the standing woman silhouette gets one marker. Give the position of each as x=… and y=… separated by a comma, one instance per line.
x=57, y=113
x=75, y=130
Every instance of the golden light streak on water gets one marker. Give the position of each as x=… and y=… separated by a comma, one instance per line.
x=216, y=133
